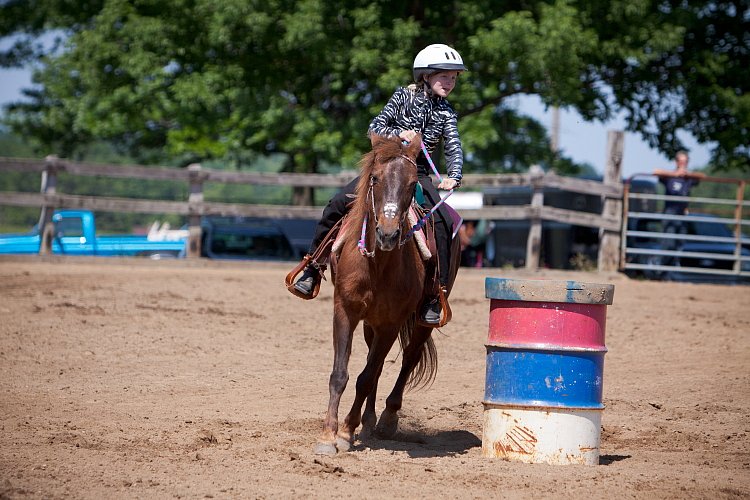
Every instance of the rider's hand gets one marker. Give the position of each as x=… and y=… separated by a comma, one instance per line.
x=447, y=184
x=407, y=135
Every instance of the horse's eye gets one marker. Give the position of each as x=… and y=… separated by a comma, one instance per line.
x=373, y=179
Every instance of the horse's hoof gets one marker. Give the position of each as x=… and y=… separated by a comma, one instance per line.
x=369, y=421
x=367, y=431
x=343, y=445
x=326, y=449
x=387, y=426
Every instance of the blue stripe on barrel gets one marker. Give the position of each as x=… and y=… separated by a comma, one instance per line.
x=554, y=378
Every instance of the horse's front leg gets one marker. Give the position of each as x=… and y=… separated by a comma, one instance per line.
x=343, y=328
x=382, y=342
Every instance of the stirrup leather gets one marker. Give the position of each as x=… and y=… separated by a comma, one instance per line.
x=317, y=260
x=292, y=277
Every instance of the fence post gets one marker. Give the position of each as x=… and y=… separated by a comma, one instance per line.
x=49, y=186
x=609, y=241
x=195, y=199
x=534, y=241
x=737, y=267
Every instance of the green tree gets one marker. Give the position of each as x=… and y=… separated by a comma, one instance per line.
x=675, y=65
x=196, y=79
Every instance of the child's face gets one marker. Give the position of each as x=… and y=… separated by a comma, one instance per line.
x=442, y=83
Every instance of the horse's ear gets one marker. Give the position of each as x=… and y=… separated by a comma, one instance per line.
x=412, y=150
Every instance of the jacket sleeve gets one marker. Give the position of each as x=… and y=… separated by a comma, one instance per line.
x=454, y=155
x=383, y=123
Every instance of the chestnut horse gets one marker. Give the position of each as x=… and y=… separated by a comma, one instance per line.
x=379, y=280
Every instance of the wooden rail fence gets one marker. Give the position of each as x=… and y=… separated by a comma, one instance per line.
x=48, y=199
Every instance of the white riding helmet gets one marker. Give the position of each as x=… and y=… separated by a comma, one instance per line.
x=434, y=58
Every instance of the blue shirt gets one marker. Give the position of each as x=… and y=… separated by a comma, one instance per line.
x=677, y=186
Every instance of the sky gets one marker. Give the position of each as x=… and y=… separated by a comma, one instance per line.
x=587, y=141
x=580, y=140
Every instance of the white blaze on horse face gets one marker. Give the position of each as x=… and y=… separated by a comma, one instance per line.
x=389, y=210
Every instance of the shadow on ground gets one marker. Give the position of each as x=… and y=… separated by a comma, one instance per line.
x=419, y=445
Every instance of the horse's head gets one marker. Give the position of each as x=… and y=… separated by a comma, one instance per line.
x=388, y=180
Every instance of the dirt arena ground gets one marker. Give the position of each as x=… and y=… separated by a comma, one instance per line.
x=138, y=379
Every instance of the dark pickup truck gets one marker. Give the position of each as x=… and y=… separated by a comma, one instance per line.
x=233, y=238
x=715, y=252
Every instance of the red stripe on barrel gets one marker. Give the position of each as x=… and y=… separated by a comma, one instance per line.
x=561, y=324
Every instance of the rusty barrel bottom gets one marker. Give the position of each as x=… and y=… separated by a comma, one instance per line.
x=542, y=435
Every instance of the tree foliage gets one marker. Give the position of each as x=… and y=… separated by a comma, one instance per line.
x=687, y=67
x=196, y=79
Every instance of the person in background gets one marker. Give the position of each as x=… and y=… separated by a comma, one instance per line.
x=473, y=235
x=677, y=182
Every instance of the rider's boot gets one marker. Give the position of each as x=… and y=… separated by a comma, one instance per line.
x=308, y=281
x=431, y=311
x=432, y=308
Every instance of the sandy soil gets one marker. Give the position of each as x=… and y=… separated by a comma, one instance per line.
x=133, y=379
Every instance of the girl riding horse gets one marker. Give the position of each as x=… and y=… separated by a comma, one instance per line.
x=379, y=282
x=420, y=108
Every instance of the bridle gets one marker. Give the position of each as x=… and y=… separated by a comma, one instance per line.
x=361, y=245
x=416, y=227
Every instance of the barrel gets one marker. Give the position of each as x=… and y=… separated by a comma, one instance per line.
x=545, y=366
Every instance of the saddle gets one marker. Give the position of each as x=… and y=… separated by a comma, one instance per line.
x=424, y=238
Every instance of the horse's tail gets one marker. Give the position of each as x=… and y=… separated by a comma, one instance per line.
x=425, y=370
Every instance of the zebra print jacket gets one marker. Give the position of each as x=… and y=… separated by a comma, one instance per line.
x=433, y=117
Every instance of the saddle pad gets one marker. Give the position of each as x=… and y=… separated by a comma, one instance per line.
x=341, y=237
x=419, y=235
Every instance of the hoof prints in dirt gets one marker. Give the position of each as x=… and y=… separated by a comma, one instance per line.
x=74, y=439
x=77, y=307
x=201, y=310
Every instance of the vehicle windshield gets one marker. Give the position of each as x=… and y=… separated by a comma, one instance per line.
x=69, y=226
x=238, y=244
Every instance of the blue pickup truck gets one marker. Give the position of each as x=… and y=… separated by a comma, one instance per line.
x=75, y=234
